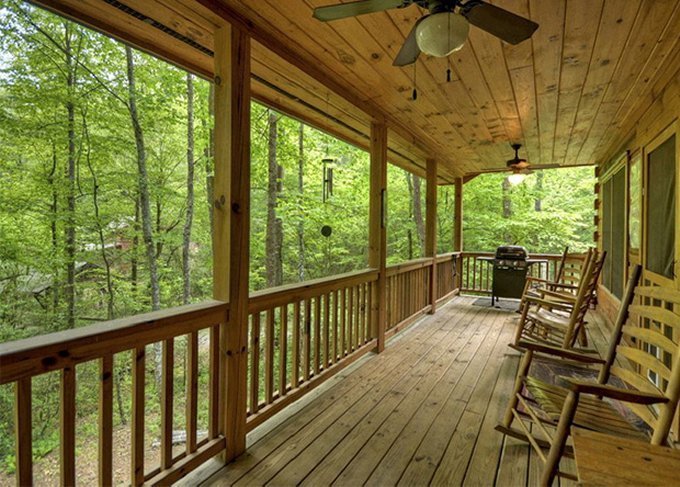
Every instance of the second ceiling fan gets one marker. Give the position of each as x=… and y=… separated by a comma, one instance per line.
x=518, y=167
x=442, y=31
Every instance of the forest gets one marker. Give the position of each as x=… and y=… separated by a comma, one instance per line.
x=105, y=207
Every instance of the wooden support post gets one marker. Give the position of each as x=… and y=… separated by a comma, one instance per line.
x=377, y=234
x=232, y=225
x=431, y=228
x=458, y=229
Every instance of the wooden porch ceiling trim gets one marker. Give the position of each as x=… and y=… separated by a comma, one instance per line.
x=316, y=98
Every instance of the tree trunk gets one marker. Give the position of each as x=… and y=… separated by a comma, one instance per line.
x=274, y=235
x=507, y=202
x=209, y=153
x=54, y=207
x=507, y=208
x=418, y=213
x=134, y=268
x=143, y=183
x=186, y=234
x=69, y=221
x=538, y=202
x=100, y=228
x=302, y=264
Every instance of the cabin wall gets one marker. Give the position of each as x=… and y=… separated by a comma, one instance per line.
x=658, y=120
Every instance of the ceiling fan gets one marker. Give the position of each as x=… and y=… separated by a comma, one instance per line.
x=519, y=167
x=442, y=31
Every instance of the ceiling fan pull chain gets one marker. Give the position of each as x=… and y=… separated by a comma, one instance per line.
x=415, y=82
x=448, y=58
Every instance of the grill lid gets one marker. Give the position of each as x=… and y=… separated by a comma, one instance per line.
x=511, y=252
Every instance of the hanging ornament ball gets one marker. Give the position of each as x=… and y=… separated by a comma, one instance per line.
x=326, y=231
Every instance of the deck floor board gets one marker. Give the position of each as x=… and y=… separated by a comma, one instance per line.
x=422, y=412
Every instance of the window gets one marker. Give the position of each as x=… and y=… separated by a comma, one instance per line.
x=660, y=224
x=635, y=203
x=613, y=231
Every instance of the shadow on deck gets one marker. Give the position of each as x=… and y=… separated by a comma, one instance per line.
x=423, y=412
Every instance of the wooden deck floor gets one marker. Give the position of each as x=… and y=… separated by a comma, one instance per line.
x=423, y=412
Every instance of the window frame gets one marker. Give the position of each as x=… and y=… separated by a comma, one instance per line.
x=671, y=130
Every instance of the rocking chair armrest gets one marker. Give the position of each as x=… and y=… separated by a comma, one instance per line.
x=618, y=393
x=538, y=279
x=547, y=303
x=569, y=298
x=564, y=285
x=559, y=352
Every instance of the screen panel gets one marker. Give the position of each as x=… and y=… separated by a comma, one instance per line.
x=660, y=224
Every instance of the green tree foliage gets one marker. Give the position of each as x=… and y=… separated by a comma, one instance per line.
x=565, y=216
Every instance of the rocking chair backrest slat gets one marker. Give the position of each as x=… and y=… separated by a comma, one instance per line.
x=585, y=294
x=560, y=269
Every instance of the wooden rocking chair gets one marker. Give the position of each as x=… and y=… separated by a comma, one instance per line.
x=558, y=318
x=565, y=284
x=533, y=284
x=640, y=363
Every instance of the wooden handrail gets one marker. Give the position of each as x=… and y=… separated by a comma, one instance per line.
x=408, y=266
x=280, y=295
x=54, y=351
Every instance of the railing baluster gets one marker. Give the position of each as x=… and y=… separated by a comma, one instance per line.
x=283, y=351
x=307, y=336
x=213, y=422
x=191, y=392
x=68, y=425
x=269, y=358
x=371, y=325
x=167, y=394
x=336, y=294
x=343, y=325
x=326, y=330
x=317, y=334
x=106, y=420
x=296, y=345
x=360, y=312
x=357, y=314
x=23, y=431
x=137, y=443
x=255, y=364
x=351, y=321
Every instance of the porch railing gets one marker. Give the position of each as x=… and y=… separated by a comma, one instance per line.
x=301, y=334
x=298, y=336
x=64, y=352
x=477, y=275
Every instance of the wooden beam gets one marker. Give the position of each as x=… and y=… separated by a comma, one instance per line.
x=431, y=227
x=105, y=18
x=232, y=224
x=377, y=250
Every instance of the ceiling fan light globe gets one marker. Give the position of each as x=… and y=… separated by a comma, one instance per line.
x=441, y=34
x=516, y=178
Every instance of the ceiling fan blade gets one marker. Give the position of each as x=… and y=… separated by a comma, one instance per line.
x=499, y=22
x=490, y=171
x=544, y=166
x=409, y=52
x=352, y=9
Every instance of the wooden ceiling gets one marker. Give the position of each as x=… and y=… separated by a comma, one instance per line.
x=570, y=94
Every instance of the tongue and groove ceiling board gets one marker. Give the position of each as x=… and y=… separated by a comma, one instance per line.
x=570, y=94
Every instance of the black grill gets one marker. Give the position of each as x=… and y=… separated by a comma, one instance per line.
x=509, y=272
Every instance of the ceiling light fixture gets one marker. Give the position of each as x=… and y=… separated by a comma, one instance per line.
x=442, y=33
x=516, y=178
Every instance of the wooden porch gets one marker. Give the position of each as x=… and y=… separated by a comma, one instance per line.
x=422, y=412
